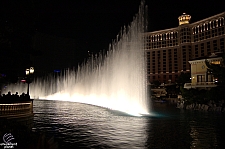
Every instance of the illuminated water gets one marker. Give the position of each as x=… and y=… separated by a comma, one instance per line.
x=116, y=80
x=76, y=125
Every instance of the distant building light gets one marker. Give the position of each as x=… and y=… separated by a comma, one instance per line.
x=184, y=19
x=56, y=70
x=23, y=80
x=3, y=75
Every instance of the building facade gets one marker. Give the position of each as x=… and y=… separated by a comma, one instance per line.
x=200, y=76
x=168, y=51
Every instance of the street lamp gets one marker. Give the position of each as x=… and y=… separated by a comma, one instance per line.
x=28, y=72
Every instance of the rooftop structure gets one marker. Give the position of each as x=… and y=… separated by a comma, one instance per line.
x=184, y=19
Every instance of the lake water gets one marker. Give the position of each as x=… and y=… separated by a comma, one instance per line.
x=75, y=125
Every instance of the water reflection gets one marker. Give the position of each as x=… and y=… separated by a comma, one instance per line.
x=87, y=126
x=203, y=134
x=177, y=128
x=90, y=126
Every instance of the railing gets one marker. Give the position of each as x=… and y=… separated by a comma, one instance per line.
x=199, y=84
x=16, y=108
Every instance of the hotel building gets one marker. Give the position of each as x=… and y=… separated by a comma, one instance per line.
x=169, y=50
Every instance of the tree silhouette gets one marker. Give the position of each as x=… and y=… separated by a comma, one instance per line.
x=217, y=70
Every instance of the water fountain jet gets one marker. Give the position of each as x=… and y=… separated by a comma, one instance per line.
x=116, y=80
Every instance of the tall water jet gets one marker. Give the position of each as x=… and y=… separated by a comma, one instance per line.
x=116, y=80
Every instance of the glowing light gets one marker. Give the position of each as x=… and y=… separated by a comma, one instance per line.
x=23, y=80
x=184, y=19
x=116, y=80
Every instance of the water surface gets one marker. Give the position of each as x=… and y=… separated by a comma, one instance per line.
x=87, y=126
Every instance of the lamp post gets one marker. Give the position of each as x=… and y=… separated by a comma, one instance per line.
x=28, y=72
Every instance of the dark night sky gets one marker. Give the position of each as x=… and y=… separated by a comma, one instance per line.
x=95, y=23
x=99, y=21
x=56, y=29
